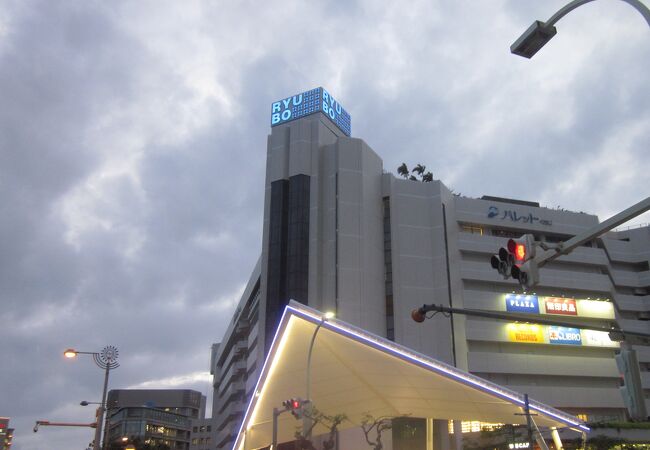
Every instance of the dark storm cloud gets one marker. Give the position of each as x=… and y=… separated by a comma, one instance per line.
x=133, y=146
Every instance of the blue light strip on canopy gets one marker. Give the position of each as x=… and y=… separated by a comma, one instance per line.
x=398, y=351
x=425, y=361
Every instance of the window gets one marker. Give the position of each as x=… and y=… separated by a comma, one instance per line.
x=202, y=429
x=195, y=429
x=506, y=233
x=475, y=426
x=134, y=412
x=209, y=428
x=472, y=229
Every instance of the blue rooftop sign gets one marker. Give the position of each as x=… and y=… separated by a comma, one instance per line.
x=310, y=102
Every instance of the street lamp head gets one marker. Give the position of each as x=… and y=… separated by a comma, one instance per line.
x=534, y=38
x=84, y=403
x=70, y=353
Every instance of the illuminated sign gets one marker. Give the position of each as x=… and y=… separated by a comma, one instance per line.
x=307, y=103
x=564, y=336
x=518, y=332
x=522, y=303
x=595, y=338
x=564, y=306
x=518, y=445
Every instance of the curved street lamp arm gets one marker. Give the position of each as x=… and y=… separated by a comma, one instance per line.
x=645, y=12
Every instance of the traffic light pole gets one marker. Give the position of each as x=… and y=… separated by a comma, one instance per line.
x=564, y=248
x=626, y=359
x=522, y=262
x=615, y=333
x=276, y=413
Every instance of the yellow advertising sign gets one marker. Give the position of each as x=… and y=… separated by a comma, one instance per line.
x=520, y=332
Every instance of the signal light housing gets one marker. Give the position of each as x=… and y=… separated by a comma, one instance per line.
x=296, y=406
x=517, y=261
x=522, y=249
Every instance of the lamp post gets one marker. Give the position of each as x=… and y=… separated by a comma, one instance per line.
x=307, y=419
x=539, y=33
x=106, y=360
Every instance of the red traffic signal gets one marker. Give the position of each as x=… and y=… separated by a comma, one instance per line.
x=296, y=406
x=522, y=249
x=518, y=250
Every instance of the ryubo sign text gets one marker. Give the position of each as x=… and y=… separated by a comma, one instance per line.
x=310, y=102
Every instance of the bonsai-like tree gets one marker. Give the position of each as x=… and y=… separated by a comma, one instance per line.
x=418, y=171
x=319, y=418
x=379, y=425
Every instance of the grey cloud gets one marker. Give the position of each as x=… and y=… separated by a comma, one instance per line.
x=133, y=145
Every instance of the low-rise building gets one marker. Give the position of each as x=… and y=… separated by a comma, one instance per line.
x=203, y=435
x=6, y=434
x=154, y=416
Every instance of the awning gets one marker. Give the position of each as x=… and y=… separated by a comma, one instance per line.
x=354, y=372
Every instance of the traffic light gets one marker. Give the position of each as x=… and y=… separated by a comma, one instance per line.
x=503, y=262
x=296, y=406
x=522, y=249
x=525, y=269
x=517, y=260
x=632, y=391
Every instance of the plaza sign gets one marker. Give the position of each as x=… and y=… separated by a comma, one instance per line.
x=522, y=303
x=307, y=103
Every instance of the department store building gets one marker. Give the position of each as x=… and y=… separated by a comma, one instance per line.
x=341, y=233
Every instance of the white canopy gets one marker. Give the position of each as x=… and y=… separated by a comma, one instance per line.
x=354, y=372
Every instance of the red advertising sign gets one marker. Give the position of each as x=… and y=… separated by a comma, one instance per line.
x=564, y=306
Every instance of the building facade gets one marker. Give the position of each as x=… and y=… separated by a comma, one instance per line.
x=341, y=234
x=203, y=435
x=153, y=416
x=6, y=434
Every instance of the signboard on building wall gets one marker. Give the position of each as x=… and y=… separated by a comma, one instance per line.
x=519, y=332
x=563, y=306
x=522, y=303
x=311, y=102
x=597, y=309
x=564, y=336
x=555, y=335
x=593, y=338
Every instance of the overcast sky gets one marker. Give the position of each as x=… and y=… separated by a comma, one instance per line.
x=133, y=143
